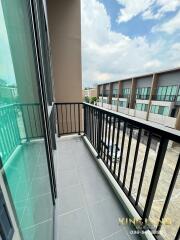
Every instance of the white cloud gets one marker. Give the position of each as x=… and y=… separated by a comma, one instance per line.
x=132, y=8
x=109, y=56
x=170, y=26
x=152, y=64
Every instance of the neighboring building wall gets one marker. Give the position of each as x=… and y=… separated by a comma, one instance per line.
x=92, y=92
x=142, y=105
x=65, y=35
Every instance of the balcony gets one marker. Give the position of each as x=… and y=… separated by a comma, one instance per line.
x=87, y=206
x=117, y=167
x=134, y=157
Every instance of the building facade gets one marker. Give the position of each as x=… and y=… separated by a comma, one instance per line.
x=90, y=92
x=153, y=97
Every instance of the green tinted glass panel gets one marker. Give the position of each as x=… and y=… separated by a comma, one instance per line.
x=166, y=111
x=174, y=90
x=22, y=144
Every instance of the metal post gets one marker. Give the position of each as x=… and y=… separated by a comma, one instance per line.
x=155, y=177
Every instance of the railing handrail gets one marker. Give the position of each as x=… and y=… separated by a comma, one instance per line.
x=172, y=134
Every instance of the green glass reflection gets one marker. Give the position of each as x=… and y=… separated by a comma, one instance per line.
x=22, y=147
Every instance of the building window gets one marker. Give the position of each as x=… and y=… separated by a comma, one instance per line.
x=141, y=107
x=178, y=96
x=122, y=104
x=162, y=110
x=166, y=93
x=115, y=92
x=106, y=93
x=143, y=93
x=125, y=92
x=114, y=102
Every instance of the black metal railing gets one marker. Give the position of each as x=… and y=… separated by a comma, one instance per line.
x=31, y=119
x=69, y=118
x=19, y=122
x=112, y=136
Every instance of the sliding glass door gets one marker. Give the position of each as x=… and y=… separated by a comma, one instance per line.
x=25, y=143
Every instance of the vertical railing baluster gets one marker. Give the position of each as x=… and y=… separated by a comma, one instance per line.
x=155, y=177
x=57, y=116
x=79, y=120
x=99, y=133
x=93, y=127
x=104, y=142
x=102, y=137
x=62, y=118
x=128, y=154
x=35, y=120
x=121, y=150
x=67, y=130
x=177, y=237
x=70, y=116
x=109, y=135
x=143, y=168
x=112, y=142
x=170, y=190
x=117, y=145
x=29, y=121
x=85, y=119
x=135, y=161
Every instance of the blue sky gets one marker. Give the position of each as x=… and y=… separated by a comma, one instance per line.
x=122, y=38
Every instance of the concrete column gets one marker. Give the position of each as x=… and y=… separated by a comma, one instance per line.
x=110, y=92
x=119, y=93
x=177, y=126
x=133, y=93
x=152, y=93
x=64, y=19
x=98, y=91
x=103, y=88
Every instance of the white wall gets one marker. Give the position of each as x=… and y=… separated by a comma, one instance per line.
x=123, y=110
x=164, y=120
x=140, y=114
x=114, y=107
x=142, y=101
x=108, y=106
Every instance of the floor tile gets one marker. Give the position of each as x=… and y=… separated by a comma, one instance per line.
x=42, y=231
x=67, y=178
x=104, y=216
x=37, y=210
x=70, y=199
x=74, y=226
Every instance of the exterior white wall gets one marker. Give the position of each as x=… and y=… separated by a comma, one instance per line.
x=131, y=112
x=114, y=107
x=123, y=110
x=108, y=106
x=142, y=101
x=140, y=114
x=164, y=120
x=162, y=103
x=123, y=99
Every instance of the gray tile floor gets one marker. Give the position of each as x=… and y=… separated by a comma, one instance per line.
x=87, y=208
